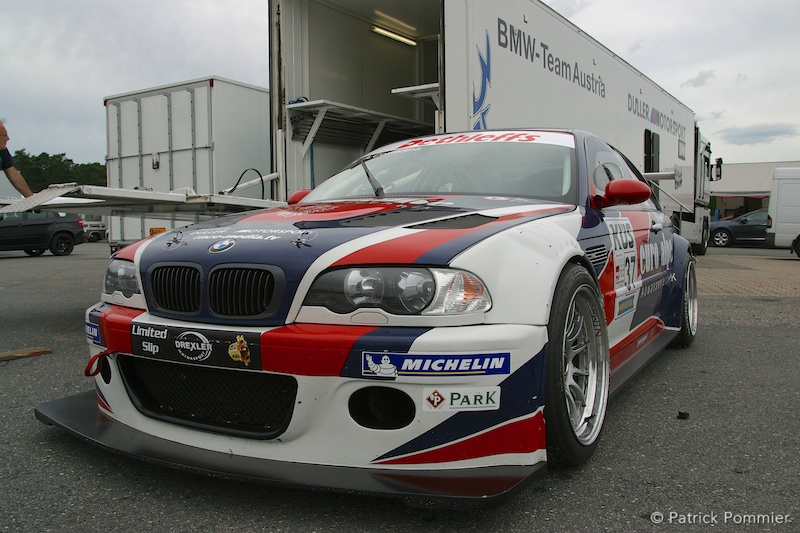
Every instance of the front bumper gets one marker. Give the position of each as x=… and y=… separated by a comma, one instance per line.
x=80, y=416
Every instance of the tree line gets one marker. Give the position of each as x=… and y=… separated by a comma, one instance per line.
x=43, y=170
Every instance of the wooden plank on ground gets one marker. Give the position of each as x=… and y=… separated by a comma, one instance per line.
x=24, y=352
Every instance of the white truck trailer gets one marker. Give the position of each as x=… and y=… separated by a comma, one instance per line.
x=197, y=136
x=350, y=75
x=783, y=213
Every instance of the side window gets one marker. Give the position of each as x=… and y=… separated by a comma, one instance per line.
x=615, y=167
x=597, y=154
x=38, y=215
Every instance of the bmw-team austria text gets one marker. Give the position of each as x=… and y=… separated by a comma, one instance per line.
x=460, y=306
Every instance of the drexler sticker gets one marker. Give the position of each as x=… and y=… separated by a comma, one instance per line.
x=221, y=348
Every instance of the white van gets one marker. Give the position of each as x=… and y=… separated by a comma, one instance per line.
x=783, y=221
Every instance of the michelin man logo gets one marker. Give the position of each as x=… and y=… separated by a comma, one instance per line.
x=385, y=369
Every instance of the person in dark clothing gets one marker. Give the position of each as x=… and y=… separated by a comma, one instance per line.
x=7, y=164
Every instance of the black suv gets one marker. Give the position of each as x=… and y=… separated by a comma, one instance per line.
x=37, y=231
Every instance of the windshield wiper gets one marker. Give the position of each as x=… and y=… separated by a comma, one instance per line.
x=376, y=186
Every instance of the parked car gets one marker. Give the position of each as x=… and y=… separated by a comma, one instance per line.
x=750, y=228
x=94, y=229
x=34, y=232
x=442, y=319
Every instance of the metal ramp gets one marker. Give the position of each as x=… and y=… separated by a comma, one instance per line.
x=182, y=204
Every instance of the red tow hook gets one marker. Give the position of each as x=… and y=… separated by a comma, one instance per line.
x=96, y=363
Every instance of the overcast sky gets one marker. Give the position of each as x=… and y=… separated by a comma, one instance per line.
x=734, y=62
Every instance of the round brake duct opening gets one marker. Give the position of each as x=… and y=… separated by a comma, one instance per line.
x=381, y=408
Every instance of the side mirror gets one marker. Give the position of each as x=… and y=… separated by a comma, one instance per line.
x=718, y=169
x=297, y=196
x=623, y=192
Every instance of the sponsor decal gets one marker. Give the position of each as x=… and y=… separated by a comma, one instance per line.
x=221, y=246
x=551, y=60
x=642, y=109
x=193, y=346
x=149, y=331
x=480, y=102
x=461, y=399
x=625, y=256
x=217, y=348
x=473, y=138
x=240, y=351
x=657, y=285
x=175, y=242
x=93, y=332
x=392, y=365
x=655, y=255
x=625, y=305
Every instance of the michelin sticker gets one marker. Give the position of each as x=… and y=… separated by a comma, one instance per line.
x=461, y=399
x=93, y=332
x=391, y=365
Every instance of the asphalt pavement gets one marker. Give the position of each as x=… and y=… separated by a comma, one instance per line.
x=727, y=463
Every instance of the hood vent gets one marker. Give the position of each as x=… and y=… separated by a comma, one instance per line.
x=462, y=222
x=400, y=217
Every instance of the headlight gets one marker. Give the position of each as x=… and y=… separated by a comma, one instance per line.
x=121, y=276
x=401, y=291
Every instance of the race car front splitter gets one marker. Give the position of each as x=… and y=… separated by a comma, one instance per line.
x=487, y=486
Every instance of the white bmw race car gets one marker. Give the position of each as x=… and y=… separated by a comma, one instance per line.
x=440, y=320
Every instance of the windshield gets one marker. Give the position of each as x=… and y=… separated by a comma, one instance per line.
x=514, y=169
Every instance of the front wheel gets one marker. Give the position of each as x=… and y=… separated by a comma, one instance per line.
x=62, y=244
x=689, y=310
x=721, y=238
x=36, y=252
x=577, y=381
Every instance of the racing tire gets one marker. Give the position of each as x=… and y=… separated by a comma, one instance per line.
x=36, y=252
x=577, y=370
x=62, y=244
x=689, y=310
x=721, y=238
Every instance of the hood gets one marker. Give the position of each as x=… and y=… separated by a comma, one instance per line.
x=308, y=238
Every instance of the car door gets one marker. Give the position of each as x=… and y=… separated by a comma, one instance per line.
x=11, y=228
x=35, y=228
x=641, y=254
x=752, y=227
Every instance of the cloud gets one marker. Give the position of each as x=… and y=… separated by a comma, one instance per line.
x=757, y=133
x=713, y=115
x=569, y=8
x=701, y=79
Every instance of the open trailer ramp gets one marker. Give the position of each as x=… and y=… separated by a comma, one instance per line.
x=183, y=204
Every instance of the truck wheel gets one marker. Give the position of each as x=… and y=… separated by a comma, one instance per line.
x=689, y=308
x=701, y=247
x=797, y=246
x=62, y=244
x=721, y=238
x=577, y=380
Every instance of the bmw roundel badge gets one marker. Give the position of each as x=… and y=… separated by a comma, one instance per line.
x=221, y=246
